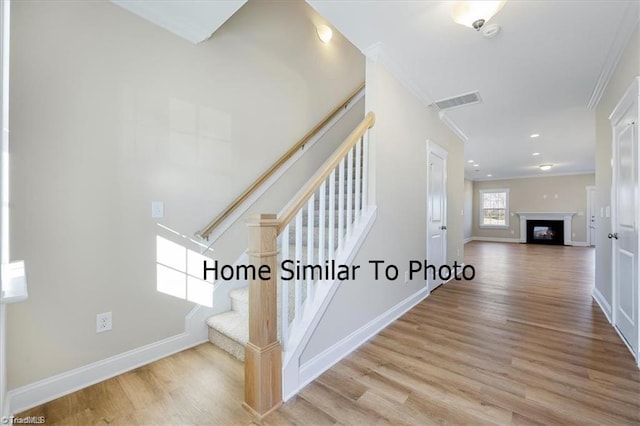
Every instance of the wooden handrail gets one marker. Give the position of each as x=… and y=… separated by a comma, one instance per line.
x=321, y=175
x=207, y=230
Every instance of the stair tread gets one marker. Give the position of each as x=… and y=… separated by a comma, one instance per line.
x=232, y=324
x=240, y=294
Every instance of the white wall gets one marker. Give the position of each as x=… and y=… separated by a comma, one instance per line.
x=627, y=69
x=468, y=209
x=403, y=124
x=110, y=112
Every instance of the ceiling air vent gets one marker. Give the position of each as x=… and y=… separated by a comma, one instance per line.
x=459, y=101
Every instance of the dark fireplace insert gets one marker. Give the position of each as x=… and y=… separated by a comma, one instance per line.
x=545, y=232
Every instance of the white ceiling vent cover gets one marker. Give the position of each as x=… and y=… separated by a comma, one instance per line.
x=459, y=101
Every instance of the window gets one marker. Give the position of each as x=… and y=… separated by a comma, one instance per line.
x=494, y=208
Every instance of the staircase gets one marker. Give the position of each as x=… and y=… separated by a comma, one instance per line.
x=271, y=320
x=230, y=330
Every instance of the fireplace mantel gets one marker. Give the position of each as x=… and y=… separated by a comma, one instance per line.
x=566, y=217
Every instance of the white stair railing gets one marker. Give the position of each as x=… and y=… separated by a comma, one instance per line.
x=291, y=314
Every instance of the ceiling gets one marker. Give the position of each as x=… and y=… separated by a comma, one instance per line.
x=542, y=74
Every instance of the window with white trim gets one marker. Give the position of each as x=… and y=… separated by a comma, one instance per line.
x=494, y=208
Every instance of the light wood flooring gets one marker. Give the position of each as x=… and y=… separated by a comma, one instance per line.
x=523, y=343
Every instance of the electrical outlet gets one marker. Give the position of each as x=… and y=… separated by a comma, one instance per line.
x=103, y=322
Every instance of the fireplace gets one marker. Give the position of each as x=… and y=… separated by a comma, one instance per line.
x=545, y=232
x=559, y=231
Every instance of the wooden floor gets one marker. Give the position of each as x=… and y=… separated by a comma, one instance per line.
x=521, y=344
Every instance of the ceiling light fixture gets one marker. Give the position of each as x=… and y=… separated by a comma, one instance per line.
x=489, y=175
x=535, y=154
x=324, y=33
x=474, y=14
x=476, y=165
x=470, y=161
x=535, y=135
x=545, y=167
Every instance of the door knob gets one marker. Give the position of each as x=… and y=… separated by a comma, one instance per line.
x=614, y=235
x=444, y=228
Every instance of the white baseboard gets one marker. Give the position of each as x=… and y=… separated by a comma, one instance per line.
x=496, y=240
x=6, y=408
x=467, y=240
x=313, y=368
x=48, y=389
x=579, y=244
x=602, y=302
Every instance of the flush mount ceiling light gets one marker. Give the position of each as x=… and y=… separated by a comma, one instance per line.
x=535, y=135
x=535, y=154
x=545, y=167
x=470, y=161
x=324, y=33
x=474, y=14
x=476, y=165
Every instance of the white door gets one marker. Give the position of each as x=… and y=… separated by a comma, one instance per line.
x=624, y=235
x=436, y=210
x=591, y=215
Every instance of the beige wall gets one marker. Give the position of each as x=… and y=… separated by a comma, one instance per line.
x=468, y=209
x=538, y=195
x=110, y=112
x=627, y=69
x=403, y=124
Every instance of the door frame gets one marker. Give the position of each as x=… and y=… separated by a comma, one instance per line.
x=630, y=96
x=434, y=148
x=591, y=192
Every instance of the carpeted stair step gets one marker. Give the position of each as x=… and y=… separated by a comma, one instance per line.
x=230, y=332
x=240, y=300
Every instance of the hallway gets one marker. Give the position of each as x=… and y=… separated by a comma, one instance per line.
x=523, y=343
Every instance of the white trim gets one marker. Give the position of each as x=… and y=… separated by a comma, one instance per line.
x=626, y=29
x=53, y=387
x=602, y=302
x=239, y=212
x=483, y=191
x=591, y=192
x=589, y=172
x=304, y=328
x=453, y=126
x=313, y=368
x=580, y=244
x=565, y=217
x=496, y=240
x=5, y=14
x=467, y=240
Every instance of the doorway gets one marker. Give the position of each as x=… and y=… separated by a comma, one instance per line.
x=624, y=204
x=436, y=209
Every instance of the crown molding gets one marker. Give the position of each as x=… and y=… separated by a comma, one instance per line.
x=378, y=53
x=486, y=179
x=628, y=25
x=453, y=126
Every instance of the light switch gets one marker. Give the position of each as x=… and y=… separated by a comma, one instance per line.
x=157, y=209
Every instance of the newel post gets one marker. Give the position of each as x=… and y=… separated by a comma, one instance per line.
x=263, y=354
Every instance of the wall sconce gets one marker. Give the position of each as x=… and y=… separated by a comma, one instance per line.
x=324, y=33
x=474, y=14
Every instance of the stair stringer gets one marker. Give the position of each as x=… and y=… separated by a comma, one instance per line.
x=301, y=329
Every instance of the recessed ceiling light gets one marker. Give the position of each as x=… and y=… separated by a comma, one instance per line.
x=535, y=135
x=535, y=154
x=324, y=33
x=476, y=165
x=470, y=161
x=545, y=167
x=489, y=175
